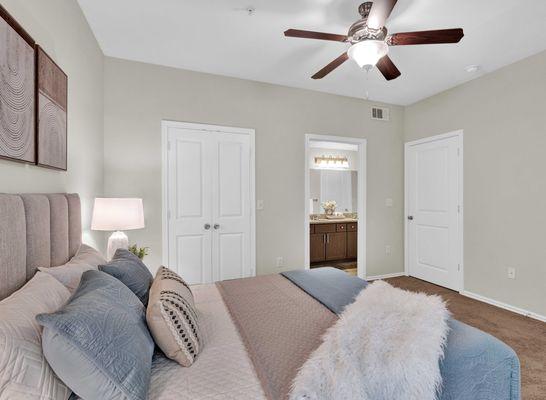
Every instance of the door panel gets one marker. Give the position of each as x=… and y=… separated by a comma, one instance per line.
x=192, y=256
x=317, y=247
x=189, y=174
x=433, y=196
x=231, y=258
x=230, y=179
x=352, y=244
x=336, y=246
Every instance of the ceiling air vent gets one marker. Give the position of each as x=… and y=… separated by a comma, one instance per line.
x=380, y=113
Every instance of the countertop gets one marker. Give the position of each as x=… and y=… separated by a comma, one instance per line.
x=332, y=221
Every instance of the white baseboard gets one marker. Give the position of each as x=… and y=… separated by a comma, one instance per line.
x=500, y=304
x=393, y=275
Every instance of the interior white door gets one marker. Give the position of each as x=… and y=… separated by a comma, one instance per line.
x=189, y=191
x=231, y=206
x=432, y=211
x=209, y=204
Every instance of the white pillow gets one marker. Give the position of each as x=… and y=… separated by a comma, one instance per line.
x=70, y=274
x=24, y=372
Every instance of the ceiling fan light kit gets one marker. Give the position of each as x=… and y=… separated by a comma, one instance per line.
x=368, y=52
x=370, y=41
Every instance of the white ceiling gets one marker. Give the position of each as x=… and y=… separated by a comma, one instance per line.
x=218, y=37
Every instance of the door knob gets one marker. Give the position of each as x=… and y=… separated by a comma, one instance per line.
x=207, y=227
x=410, y=217
x=216, y=226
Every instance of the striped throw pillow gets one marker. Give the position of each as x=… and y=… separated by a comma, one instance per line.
x=172, y=318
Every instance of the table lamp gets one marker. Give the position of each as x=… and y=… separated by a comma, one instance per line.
x=110, y=214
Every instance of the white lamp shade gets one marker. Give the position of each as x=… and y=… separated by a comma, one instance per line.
x=117, y=214
x=368, y=52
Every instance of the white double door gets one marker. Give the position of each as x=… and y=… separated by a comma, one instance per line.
x=433, y=195
x=209, y=204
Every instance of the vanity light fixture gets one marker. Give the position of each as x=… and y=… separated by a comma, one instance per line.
x=333, y=162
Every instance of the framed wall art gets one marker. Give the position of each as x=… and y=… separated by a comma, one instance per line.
x=17, y=91
x=52, y=98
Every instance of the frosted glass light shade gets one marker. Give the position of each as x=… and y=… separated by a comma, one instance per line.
x=117, y=214
x=368, y=52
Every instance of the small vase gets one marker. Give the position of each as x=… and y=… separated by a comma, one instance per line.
x=329, y=211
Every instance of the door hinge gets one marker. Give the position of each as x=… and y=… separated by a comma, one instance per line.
x=168, y=146
x=458, y=267
x=458, y=151
x=169, y=214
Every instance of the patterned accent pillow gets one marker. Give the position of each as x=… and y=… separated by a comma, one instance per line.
x=70, y=273
x=24, y=371
x=172, y=318
x=98, y=343
x=130, y=270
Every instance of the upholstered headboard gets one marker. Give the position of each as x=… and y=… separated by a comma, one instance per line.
x=36, y=230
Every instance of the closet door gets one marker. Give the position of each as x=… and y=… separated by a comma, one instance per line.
x=231, y=209
x=190, y=194
x=209, y=204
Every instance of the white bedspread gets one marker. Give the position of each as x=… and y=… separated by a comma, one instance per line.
x=223, y=369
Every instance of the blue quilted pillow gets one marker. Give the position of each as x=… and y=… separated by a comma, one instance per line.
x=128, y=268
x=98, y=344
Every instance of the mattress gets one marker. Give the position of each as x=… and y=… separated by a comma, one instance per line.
x=223, y=370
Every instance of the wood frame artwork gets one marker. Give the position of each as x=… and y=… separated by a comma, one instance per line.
x=51, y=115
x=17, y=92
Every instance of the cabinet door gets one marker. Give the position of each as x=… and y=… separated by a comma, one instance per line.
x=317, y=248
x=352, y=244
x=336, y=246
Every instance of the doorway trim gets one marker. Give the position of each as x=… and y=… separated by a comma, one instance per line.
x=165, y=125
x=362, y=197
x=460, y=166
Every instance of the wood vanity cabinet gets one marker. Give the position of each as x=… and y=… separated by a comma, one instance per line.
x=333, y=241
x=352, y=240
x=336, y=246
x=318, y=249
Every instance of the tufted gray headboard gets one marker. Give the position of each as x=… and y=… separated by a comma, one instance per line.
x=36, y=230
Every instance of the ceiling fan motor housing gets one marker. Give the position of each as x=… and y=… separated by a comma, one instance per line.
x=360, y=31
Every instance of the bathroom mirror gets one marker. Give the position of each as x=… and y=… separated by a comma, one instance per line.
x=331, y=184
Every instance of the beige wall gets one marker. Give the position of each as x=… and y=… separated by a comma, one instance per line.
x=503, y=115
x=61, y=29
x=138, y=96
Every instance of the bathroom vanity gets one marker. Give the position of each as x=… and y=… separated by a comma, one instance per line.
x=333, y=240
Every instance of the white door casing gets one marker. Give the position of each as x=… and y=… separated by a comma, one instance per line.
x=361, y=197
x=209, y=223
x=434, y=210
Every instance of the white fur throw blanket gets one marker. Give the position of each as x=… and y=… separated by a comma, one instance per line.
x=386, y=346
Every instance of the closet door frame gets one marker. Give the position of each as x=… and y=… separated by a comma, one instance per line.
x=165, y=126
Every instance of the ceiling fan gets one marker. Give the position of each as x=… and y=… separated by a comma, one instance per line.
x=370, y=40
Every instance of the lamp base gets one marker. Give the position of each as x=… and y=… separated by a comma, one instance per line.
x=118, y=240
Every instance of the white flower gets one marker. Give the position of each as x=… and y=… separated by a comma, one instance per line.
x=329, y=205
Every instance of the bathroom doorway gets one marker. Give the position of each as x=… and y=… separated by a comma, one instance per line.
x=335, y=203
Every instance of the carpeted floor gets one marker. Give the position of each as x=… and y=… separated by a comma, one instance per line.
x=525, y=335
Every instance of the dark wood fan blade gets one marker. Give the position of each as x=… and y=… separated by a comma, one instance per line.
x=388, y=69
x=427, y=37
x=330, y=67
x=315, y=35
x=381, y=10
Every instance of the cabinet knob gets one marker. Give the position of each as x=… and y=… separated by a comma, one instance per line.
x=207, y=227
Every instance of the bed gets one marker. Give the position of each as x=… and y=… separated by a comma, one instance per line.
x=257, y=331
